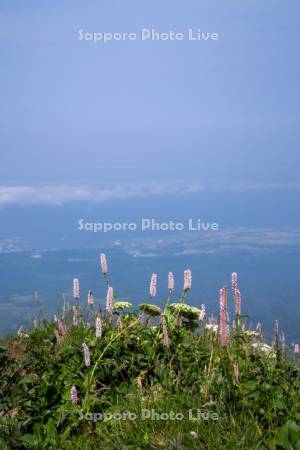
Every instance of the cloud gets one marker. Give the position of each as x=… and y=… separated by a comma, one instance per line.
x=61, y=194
x=255, y=186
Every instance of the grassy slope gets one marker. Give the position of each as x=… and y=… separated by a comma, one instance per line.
x=131, y=370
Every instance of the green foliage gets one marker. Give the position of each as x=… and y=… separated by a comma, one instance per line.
x=256, y=397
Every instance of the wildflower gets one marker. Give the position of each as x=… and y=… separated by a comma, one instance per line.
x=234, y=279
x=194, y=434
x=153, y=284
x=258, y=327
x=98, y=325
x=87, y=356
x=202, y=313
x=165, y=332
x=76, y=289
x=62, y=328
x=152, y=310
x=170, y=282
x=75, y=316
x=237, y=297
x=212, y=327
x=282, y=341
x=223, y=316
x=21, y=332
x=90, y=298
x=296, y=348
x=103, y=263
x=276, y=328
x=181, y=309
x=187, y=277
x=251, y=334
x=264, y=348
x=121, y=305
x=109, y=299
x=74, y=395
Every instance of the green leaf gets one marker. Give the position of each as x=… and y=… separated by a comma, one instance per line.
x=28, y=439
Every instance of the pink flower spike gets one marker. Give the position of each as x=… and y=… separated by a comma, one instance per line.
x=237, y=297
x=282, y=340
x=75, y=316
x=87, y=356
x=171, y=282
x=90, y=298
x=98, y=325
x=74, y=395
x=234, y=280
x=223, y=316
x=62, y=328
x=187, y=280
x=153, y=285
x=76, y=289
x=103, y=263
x=109, y=300
x=276, y=328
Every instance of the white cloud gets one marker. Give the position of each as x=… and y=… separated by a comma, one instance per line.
x=60, y=194
x=251, y=186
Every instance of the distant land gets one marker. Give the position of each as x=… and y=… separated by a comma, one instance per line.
x=267, y=262
x=41, y=249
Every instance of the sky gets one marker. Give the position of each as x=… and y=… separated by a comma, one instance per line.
x=93, y=120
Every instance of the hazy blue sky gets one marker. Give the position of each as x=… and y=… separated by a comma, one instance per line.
x=218, y=113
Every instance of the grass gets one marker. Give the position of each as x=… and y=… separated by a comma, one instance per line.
x=142, y=391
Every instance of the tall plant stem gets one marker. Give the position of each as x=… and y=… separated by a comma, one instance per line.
x=103, y=353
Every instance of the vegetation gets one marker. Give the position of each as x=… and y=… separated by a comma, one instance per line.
x=163, y=379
